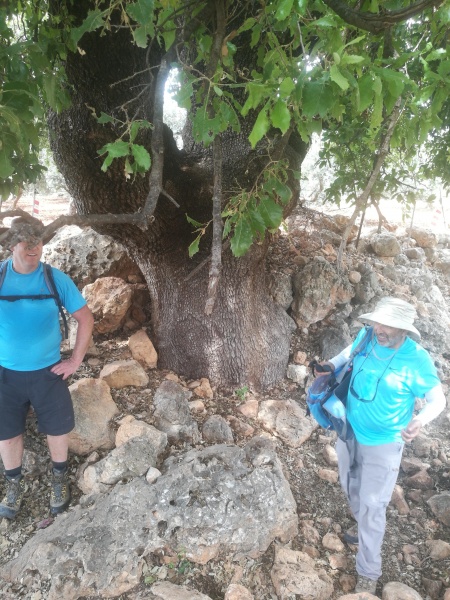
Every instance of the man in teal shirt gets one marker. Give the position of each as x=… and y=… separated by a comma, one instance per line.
x=389, y=373
x=31, y=370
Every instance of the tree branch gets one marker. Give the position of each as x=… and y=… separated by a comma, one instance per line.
x=215, y=267
x=363, y=197
x=377, y=23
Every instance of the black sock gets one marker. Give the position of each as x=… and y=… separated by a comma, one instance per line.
x=13, y=473
x=59, y=466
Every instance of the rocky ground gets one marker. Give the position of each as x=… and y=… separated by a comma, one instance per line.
x=320, y=502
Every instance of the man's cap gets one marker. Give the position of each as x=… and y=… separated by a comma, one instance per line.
x=393, y=312
x=24, y=229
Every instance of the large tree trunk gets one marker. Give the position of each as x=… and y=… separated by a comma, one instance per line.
x=245, y=341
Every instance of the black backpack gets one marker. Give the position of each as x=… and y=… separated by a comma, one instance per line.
x=50, y=282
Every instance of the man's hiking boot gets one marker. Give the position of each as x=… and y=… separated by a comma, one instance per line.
x=364, y=584
x=60, y=494
x=15, y=489
x=351, y=535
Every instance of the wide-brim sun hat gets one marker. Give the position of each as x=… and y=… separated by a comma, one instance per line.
x=24, y=229
x=393, y=312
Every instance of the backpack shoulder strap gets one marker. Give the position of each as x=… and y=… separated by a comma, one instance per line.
x=50, y=281
x=3, y=269
x=362, y=344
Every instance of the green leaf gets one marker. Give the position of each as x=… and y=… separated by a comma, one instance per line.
x=352, y=59
x=365, y=86
x=104, y=118
x=287, y=86
x=113, y=150
x=271, y=212
x=193, y=222
x=242, y=238
x=6, y=168
x=256, y=93
x=283, y=10
x=338, y=78
x=141, y=156
x=93, y=21
x=193, y=248
x=141, y=12
x=260, y=128
x=140, y=36
x=318, y=98
x=280, y=116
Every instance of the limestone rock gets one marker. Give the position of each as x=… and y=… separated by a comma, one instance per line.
x=94, y=408
x=237, y=592
x=440, y=506
x=317, y=290
x=394, y=590
x=122, y=373
x=294, y=574
x=172, y=414
x=86, y=256
x=130, y=428
x=424, y=238
x=109, y=299
x=143, y=350
x=385, y=244
x=164, y=590
x=297, y=373
x=131, y=459
x=221, y=499
x=217, y=431
x=287, y=420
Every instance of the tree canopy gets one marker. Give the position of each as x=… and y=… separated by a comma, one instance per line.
x=316, y=66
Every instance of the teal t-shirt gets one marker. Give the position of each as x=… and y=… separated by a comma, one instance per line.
x=384, y=385
x=30, y=334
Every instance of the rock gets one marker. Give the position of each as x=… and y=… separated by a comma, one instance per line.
x=130, y=428
x=94, y=408
x=109, y=299
x=398, y=500
x=152, y=475
x=317, y=290
x=438, y=549
x=423, y=237
x=433, y=587
x=204, y=390
x=286, y=420
x=412, y=465
x=122, y=373
x=249, y=408
x=237, y=592
x=165, y=590
x=131, y=459
x=197, y=407
x=221, y=499
x=142, y=349
x=172, y=414
x=294, y=575
x=328, y=475
x=86, y=256
x=385, y=244
x=217, y=431
x=332, y=542
x=440, y=506
x=239, y=427
x=330, y=456
x=394, y=590
x=297, y=373
x=281, y=289
x=419, y=481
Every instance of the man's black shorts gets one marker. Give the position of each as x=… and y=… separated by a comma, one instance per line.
x=46, y=392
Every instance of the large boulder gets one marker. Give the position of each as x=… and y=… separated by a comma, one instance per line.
x=225, y=499
x=85, y=256
x=318, y=287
